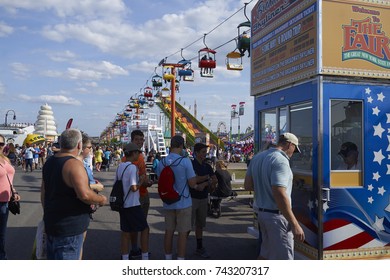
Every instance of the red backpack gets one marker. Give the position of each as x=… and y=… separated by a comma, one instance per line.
x=166, y=182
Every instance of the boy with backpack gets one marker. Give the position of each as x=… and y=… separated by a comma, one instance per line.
x=178, y=214
x=132, y=218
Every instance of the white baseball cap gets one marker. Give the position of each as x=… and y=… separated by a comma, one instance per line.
x=289, y=137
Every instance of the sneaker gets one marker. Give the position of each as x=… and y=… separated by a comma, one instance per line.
x=202, y=253
x=136, y=254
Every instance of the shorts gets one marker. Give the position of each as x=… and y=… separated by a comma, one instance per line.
x=199, y=212
x=178, y=219
x=132, y=219
x=277, y=238
x=145, y=204
x=64, y=248
x=35, y=160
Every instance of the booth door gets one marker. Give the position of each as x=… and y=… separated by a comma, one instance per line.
x=356, y=173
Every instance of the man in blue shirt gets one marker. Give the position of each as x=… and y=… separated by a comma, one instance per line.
x=178, y=214
x=270, y=176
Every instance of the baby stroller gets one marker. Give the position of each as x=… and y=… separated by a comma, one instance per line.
x=105, y=164
x=215, y=199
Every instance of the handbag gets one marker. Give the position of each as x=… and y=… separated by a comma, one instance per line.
x=13, y=205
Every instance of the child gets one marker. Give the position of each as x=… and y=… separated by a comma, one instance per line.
x=132, y=218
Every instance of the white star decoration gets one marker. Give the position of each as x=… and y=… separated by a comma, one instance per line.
x=381, y=190
x=370, y=200
x=370, y=99
x=376, y=176
x=381, y=96
x=310, y=204
x=378, y=130
x=388, y=117
x=370, y=187
x=388, y=168
x=325, y=206
x=388, y=138
x=378, y=157
x=388, y=206
x=378, y=223
x=376, y=111
x=368, y=90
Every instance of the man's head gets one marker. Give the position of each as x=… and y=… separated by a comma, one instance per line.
x=289, y=142
x=131, y=151
x=71, y=140
x=138, y=138
x=177, y=142
x=87, y=145
x=349, y=153
x=200, y=151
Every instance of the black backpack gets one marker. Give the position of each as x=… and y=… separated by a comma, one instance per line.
x=117, y=198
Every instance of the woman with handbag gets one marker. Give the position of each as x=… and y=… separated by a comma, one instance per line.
x=7, y=190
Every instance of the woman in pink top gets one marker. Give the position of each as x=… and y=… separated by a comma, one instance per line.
x=6, y=177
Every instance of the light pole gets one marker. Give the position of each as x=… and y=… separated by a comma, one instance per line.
x=6, y=116
x=236, y=115
x=233, y=115
x=240, y=113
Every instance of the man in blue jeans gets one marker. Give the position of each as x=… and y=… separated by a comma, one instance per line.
x=66, y=198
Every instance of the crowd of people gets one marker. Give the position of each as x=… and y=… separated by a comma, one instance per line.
x=69, y=193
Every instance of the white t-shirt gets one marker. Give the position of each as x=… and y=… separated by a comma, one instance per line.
x=130, y=178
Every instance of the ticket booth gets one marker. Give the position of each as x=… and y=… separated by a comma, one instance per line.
x=321, y=70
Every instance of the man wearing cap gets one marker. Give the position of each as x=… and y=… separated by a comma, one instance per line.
x=178, y=214
x=349, y=152
x=206, y=181
x=132, y=217
x=270, y=176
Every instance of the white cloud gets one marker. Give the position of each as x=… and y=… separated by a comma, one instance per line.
x=2, y=89
x=85, y=8
x=52, y=73
x=95, y=71
x=20, y=70
x=5, y=29
x=79, y=74
x=52, y=99
x=163, y=36
x=91, y=84
x=62, y=56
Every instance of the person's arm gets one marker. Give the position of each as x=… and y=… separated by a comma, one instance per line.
x=144, y=181
x=283, y=203
x=76, y=177
x=43, y=194
x=97, y=186
x=248, y=183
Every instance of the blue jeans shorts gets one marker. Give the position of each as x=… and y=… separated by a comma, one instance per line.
x=64, y=248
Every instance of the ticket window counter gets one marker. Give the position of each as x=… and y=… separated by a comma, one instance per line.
x=346, y=142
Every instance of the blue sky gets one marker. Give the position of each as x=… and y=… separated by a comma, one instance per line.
x=87, y=58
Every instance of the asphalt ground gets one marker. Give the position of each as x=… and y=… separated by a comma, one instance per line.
x=225, y=238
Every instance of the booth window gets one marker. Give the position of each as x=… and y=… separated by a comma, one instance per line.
x=346, y=138
x=301, y=124
x=268, y=129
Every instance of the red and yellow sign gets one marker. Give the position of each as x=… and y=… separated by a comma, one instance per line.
x=284, y=43
x=356, y=36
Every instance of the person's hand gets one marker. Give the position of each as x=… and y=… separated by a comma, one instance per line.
x=17, y=197
x=104, y=200
x=298, y=233
x=200, y=187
